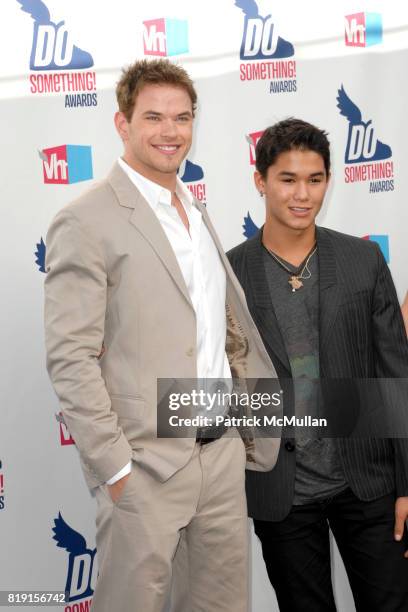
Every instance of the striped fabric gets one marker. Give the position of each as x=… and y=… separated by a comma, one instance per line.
x=361, y=336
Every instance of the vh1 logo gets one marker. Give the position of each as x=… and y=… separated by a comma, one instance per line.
x=67, y=164
x=363, y=29
x=252, y=140
x=165, y=37
x=65, y=437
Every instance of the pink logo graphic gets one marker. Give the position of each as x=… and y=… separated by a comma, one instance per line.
x=67, y=164
x=165, y=37
x=154, y=37
x=65, y=437
x=252, y=140
x=363, y=29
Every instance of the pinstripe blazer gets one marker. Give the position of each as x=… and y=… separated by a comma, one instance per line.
x=361, y=335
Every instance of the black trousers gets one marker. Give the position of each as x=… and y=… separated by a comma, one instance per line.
x=297, y=555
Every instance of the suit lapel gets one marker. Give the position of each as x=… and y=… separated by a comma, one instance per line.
x=329, y=289
x=264, y=311
x=145, y=221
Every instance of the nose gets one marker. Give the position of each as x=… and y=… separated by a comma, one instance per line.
x=168, y=128
x=302, y=191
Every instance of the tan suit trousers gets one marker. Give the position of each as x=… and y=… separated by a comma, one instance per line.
x=137, y=537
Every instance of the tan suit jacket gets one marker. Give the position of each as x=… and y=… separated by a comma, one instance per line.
x=113, y=278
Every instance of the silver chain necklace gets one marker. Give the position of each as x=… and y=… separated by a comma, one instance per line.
x=295, y=280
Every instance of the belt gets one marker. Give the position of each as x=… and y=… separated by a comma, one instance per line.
x=210, y=434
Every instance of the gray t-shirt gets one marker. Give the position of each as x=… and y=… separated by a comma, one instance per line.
x=319, y=474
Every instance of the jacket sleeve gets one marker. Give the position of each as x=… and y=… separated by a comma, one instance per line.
x=391, y=358
x=75, y=306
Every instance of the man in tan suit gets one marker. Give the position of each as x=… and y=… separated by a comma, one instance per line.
x=137, y=273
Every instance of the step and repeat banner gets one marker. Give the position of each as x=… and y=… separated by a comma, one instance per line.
x=341, y=66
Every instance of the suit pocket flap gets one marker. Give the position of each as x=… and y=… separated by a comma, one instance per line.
x=128, y=407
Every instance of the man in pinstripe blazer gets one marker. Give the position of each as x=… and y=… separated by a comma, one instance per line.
x=326, y=308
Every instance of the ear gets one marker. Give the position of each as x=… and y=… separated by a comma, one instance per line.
x=259, y=182
x=122, y=125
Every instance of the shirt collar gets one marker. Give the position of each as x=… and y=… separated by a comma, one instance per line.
x=153, y=193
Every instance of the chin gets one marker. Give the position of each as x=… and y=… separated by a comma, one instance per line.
x=301, y=226
x=168, y=168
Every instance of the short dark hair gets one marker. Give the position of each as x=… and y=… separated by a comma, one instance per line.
x=287, y=135
x=151, y=72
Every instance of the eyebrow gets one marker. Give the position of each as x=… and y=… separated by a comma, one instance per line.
x=292, y=174
x=156, y=114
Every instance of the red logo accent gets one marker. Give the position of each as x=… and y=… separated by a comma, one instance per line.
x=355, y=33
x=55, y=168
x=65, y=437
x=154, y=37
x=252, y=141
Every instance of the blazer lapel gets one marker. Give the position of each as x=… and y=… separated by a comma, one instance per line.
x=329, y=289
x=260, y=296
x=145, y=221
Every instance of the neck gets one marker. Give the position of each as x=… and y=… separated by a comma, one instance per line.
x=290, y=244
x=166, y=180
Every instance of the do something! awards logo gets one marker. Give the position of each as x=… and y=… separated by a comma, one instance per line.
x=193, y=176
x=57, y=65
x=366, y=158
x=264, y=53
x=82, y=570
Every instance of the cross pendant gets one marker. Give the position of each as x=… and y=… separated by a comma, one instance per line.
x=295, y=283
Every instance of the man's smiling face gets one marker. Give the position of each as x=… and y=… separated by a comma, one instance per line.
x=294, y=188
x=158, y=136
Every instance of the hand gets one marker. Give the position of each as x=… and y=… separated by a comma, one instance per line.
x=115, y=490
x=401, y=515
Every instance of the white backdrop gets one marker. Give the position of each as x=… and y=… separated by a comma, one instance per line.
x=39, y=471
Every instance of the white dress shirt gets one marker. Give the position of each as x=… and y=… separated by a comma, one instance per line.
x=203, y=272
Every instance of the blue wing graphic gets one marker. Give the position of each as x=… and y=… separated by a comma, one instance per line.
x=249, y=227
x=40, y=255
x=347, y=107
x=68, y=538
x=192, y=172
x=248, y=7
x=37, y=10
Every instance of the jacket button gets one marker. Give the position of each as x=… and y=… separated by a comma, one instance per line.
x=190, y=352
x=290, y=447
